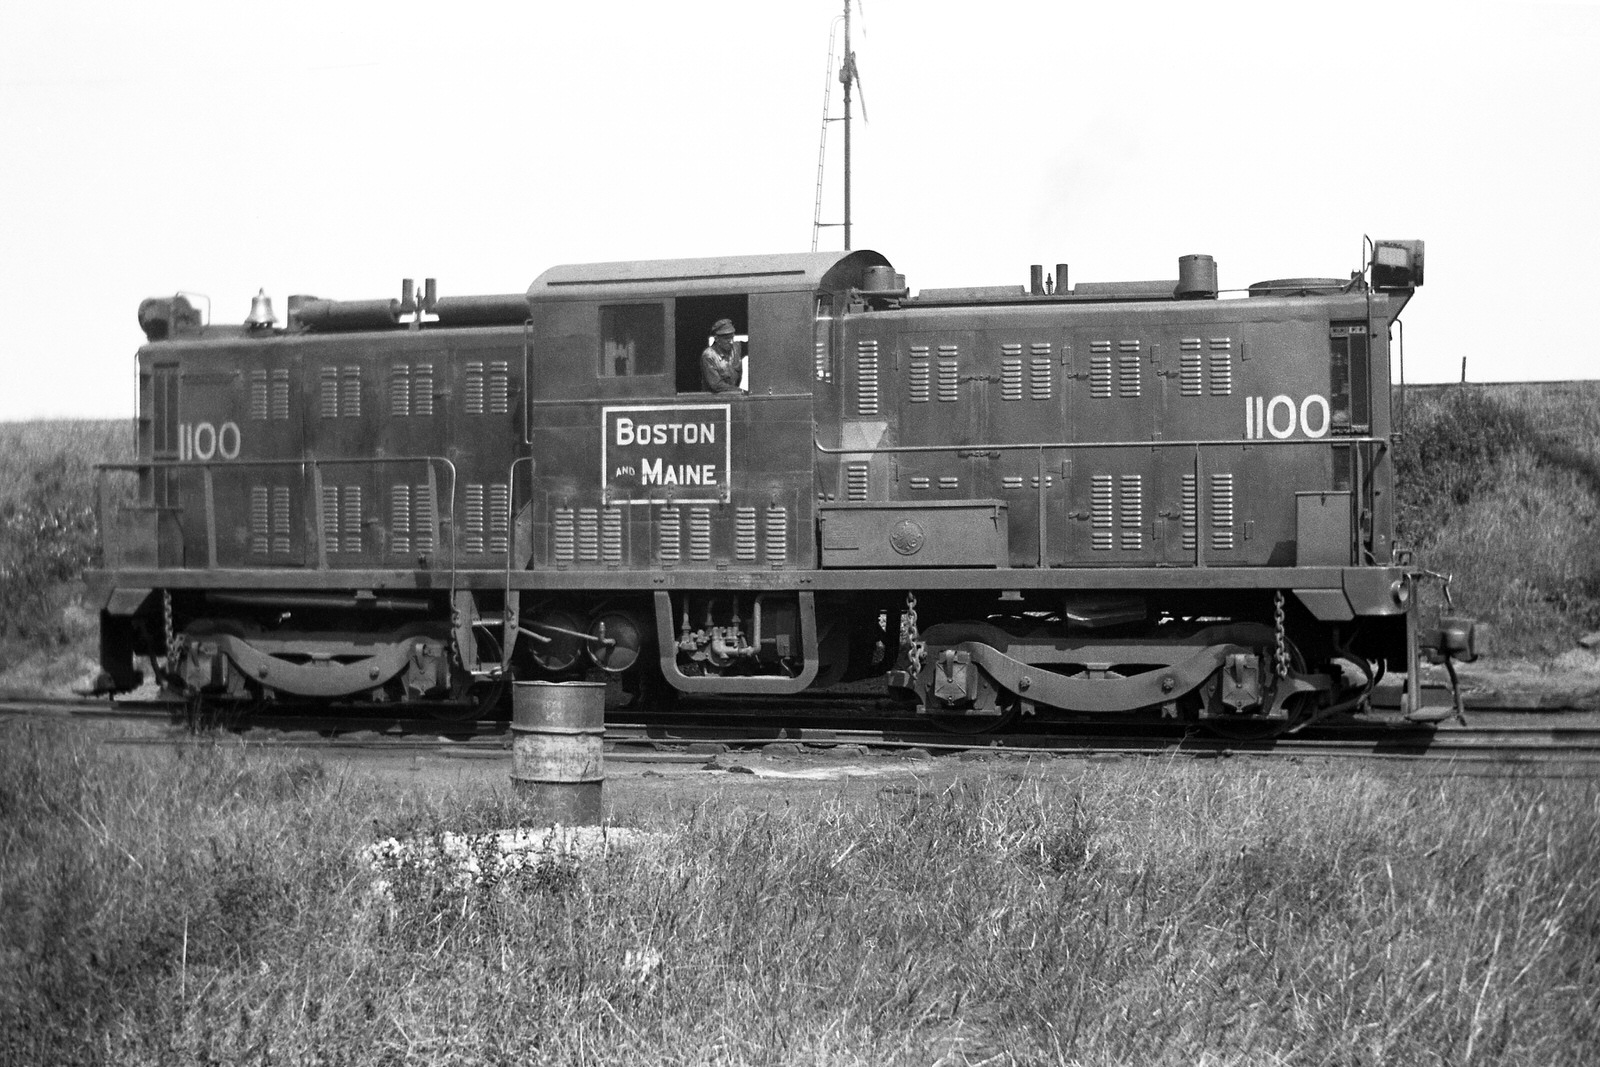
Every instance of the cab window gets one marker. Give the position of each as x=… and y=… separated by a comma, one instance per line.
x=632, y=339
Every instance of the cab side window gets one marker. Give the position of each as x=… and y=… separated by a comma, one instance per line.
x=632, y=339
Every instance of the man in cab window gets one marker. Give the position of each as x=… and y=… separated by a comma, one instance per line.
x=722, y=364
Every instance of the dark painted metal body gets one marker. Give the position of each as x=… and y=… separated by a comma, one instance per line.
x=993, y=451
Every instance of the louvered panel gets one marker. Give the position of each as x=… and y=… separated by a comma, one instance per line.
x=855, y=481
x=566, y=536
x=280, y=394
x=1049, y=481
x=1011, y=372
x=400, y=519
x=280, y=520
x=949, y=481
x=1041, y=378
x=499, y=387
x=258, y=394
x=1129, y=376
x=1012, y=481
x=330, y=519
x=422, y=518
x=1130, y=512
x=350, y=511
x=588, y=535
x=400, y=391
x=328, y=393
x=919, y=481
x=472, y=403
x=1190, y=368
x=474, y=499
x=948, y=385
x=744, y=535
x=1102, y=513
x=821, y=361
x=1100, y=370
x=350, y=392
x=1191, y=513
x=866, y=378
x=669, y=535
x=699, y=534
x=1222, y=512
x=352, y=523
x=611, y=537
x=919, y=386
x=422, y=390
x=920, y=381
x=1221, y=366
x=777, y=532
x=260, y=520
x=500, y=518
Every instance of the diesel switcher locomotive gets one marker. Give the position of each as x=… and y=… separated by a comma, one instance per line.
x=1135, y=499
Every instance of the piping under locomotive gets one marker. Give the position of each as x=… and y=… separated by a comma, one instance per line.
x=1116, y=499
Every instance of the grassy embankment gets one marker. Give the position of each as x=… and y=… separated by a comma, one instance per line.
x=1500, y=487
x=208, y=905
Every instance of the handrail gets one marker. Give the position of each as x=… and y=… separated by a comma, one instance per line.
x=1028, y=446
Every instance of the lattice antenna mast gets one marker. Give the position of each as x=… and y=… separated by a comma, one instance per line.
x=850, y=78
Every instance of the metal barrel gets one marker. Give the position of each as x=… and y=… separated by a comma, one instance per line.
x=557, y=730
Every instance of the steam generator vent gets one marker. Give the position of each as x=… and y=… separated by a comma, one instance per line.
x=1197, y=278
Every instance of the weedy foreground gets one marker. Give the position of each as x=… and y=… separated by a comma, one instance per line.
x=211, y=904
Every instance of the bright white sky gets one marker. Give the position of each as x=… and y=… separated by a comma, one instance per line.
x=334, y=148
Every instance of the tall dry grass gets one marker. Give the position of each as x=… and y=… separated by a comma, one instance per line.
x=211, y=907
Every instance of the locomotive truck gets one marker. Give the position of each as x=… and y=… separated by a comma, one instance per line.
x=1145, y=499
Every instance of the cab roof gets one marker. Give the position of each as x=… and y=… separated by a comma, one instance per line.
x=784, y=272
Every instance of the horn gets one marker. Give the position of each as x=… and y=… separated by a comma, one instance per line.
x=261, y=315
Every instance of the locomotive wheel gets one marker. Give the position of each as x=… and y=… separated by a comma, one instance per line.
x=616, y=642
x=993, y=708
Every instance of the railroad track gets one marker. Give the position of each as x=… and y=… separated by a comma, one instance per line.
x=872, y=726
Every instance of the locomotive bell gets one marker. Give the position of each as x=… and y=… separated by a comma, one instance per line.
x=261, y=315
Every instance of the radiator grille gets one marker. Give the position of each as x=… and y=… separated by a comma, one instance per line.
x=949, y=383
x=475, y=502
x=269, y=520
x=410, y=519
x=566, y=536
x=669, y=535
x=1129, y=376
x=500, y=518
x=1100, y=370
x=1102, y=509
x=473, y=400
x=1041, y=375
x=744, y=535
x=1130, y=512
x=1190, y=368
x=700, y=534
x=855, y=481
x=777, y=535
x=400, y=391
x=1011, y=372
x=920, y=383
x=866, y=378
x=589, y=535
x=342, y=524
x=1222, y=517
x=1221, y=366
x=611, y=537
x=258, y=394
x=1191, y=512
